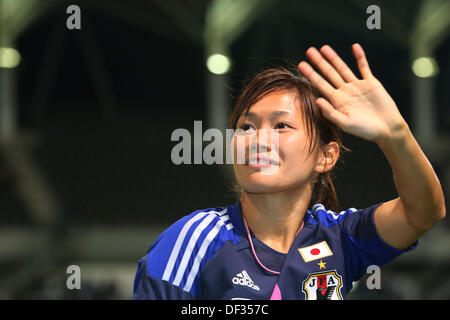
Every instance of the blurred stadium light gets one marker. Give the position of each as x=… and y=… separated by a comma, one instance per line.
x=15, y=17
x=225, y=20
x=431, y=27
x=425, y=67
x=218, y=63
x=9, y=58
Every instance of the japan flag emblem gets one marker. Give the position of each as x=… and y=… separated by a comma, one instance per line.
x=316, y=251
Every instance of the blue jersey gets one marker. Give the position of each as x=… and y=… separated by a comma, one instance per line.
x=207, y=255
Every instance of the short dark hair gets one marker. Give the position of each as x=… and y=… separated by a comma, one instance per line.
x=281, y=78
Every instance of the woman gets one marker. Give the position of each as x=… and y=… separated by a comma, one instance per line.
x=281, y=240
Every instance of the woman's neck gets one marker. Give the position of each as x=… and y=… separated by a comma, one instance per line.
x=275, y=219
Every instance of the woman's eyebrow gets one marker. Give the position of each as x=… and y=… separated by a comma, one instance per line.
x=273, y=115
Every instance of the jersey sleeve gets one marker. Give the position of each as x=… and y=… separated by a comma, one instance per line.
x=171, y=269
x=362, y=244
x=147, y=287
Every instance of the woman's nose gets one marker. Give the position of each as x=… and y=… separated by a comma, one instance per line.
x=263, y=140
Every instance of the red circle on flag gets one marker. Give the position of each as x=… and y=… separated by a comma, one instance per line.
x=315, y=251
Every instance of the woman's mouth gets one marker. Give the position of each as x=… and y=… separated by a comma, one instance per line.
x=261, y=161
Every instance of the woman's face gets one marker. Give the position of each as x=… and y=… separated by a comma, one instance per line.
x=274, y=128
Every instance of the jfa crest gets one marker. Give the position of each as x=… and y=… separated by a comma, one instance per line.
x=324, y=285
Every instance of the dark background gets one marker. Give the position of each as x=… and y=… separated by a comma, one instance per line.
x=97, y=106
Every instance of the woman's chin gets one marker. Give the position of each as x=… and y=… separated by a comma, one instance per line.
x=261, y=184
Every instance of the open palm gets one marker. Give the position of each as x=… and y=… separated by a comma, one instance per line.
x=361, y=107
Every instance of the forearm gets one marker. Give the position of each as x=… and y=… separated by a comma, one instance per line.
x=416, y=182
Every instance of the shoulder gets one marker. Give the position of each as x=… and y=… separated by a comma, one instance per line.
x=180, y=252
x=198, y=228
x=201, y=220
x=351, y=221
x=319, y=214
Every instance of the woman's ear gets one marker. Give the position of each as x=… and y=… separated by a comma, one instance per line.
x=328, y=157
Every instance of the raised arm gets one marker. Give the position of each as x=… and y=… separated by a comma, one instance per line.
x=363, y=107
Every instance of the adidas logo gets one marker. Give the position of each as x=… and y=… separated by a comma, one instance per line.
x=243, y=279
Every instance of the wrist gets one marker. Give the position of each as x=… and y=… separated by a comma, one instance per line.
x=396, y=136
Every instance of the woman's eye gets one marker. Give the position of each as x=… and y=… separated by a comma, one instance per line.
x=282, y=125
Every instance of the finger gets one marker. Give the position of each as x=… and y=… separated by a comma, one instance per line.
x=331, y=113
x=315, y=79
x=345, y=72
x=361, y=60
x=322, y=64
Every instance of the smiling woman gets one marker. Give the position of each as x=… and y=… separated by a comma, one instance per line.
x=285, y=237
x=287, y=101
